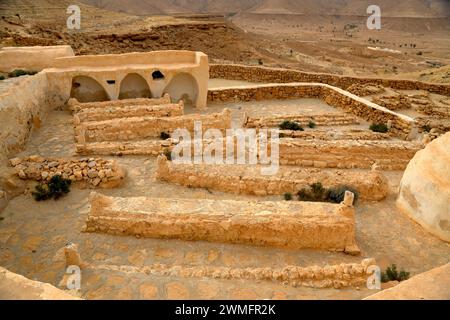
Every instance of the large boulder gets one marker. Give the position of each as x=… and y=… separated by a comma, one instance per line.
x=425, y=188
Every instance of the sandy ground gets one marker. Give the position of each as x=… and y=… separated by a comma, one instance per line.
x=31, y=234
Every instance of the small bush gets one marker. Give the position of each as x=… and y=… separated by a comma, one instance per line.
x=337, y=194
x=311, y=124
x=20, y=72
x=2, y=78
x=392, y=274
x=54, y=189
x=426, y=128
x=168, y=154
x=314, y=193
x=379, y=127
x=288, y=196
x=164, y=136
x=290, y=125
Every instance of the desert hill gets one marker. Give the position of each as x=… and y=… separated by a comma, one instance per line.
x=400, y=8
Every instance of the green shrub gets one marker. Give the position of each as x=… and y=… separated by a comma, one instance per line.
x=337, y=194
x=164, y=136
x=20, y=72
x=290, y=125
x=2, y=78
x=391, y=274
x=379, y=127
x=54, y=189
x=288, y=196
x=312, y=124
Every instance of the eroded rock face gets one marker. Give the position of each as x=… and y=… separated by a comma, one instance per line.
x=425, y=188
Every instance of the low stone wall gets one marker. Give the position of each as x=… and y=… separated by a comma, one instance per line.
x=246, y=179
x=278, y=75
x=286, y=224
x=102, y=114
x=90, y=172
x=23, y=106
x=76, y=106
x=387, y=155
x=122, y=148
x=147, y=127
x=345, y=134
x=330, y=276
x=324, y=119
x=400, y=125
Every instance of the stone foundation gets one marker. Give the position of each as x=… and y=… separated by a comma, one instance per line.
x=147, y=127
x=329, y=276
x=387, y=155
x=325, y=119
x=246, y=179
x=344, y=134
x=102, y=114
x=76, y=106
x=90, y=172
x=401, y=125
x=122, y=148
x=293, y=225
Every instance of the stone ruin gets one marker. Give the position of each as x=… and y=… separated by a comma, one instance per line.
x=125, y=110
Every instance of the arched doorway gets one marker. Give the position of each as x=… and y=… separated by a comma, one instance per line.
x=87, y=89
x=183, y=87
x=134, y=86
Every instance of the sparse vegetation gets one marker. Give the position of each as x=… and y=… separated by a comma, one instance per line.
x=337, y=194
x=54, y=189
x=20, y=72
x=290, y=125
x=312, y=124
x=317, y=193
x=168, y=154
x=164, y=136
x=2, y=78
x=391, y=274
x=288, y=196
x=379, y=127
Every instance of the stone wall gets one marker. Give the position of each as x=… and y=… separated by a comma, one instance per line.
x=147, y=127
x=76, y=106
x=23, y=106
x=285, y=224
x=277, y=75
x=247, y=179
x=400, y=125
x=92, y=172
x=323, y=119
x=102, y=114
x=330, y=276
x=122, y=148
x=387, y=155
x=344, y=134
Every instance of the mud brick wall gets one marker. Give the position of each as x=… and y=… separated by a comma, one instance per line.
x=246, y=179
x=76, y=106
x=101, y=114
x=387, y=155
x=285, y=224
x=147, y=127
x=277, y=75
x=92, y=172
